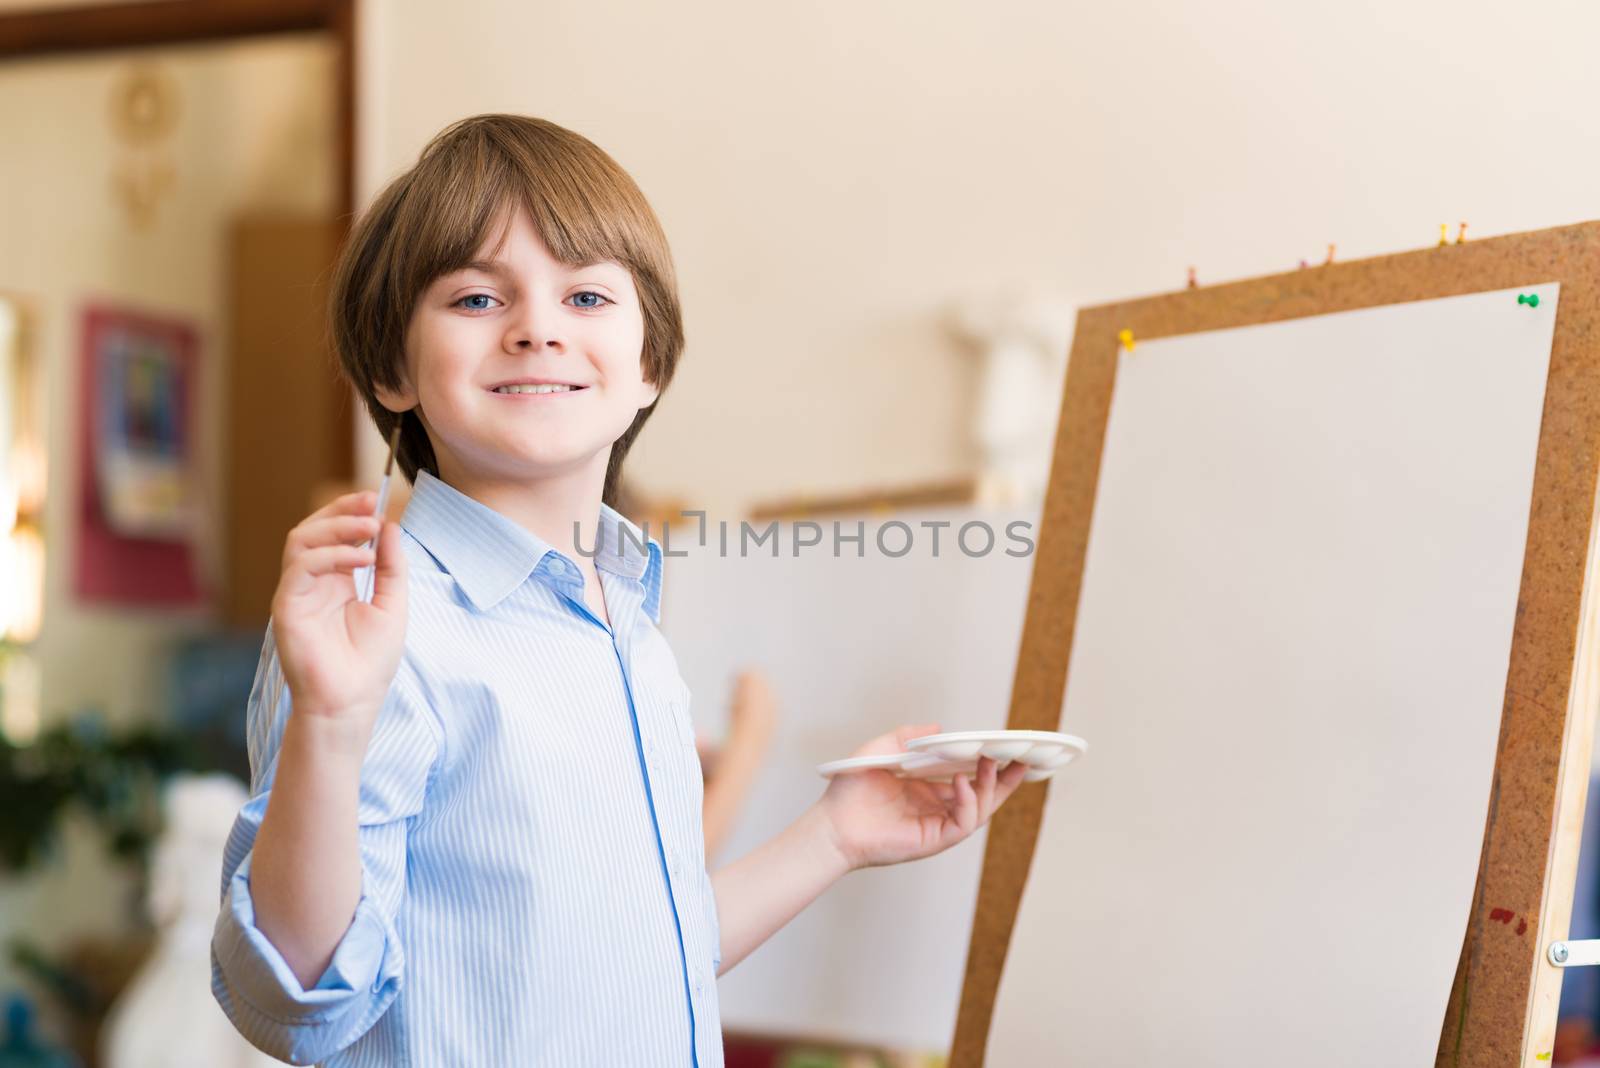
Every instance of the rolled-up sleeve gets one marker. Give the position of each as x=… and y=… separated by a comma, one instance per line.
x=251, y=980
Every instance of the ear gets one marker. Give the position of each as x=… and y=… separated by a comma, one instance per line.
x=649, y=392
x=401, y=399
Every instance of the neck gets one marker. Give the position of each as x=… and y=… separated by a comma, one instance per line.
x=548, y=506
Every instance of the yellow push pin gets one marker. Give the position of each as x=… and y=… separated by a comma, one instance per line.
x=1444, y=234
x=1330, y=255
x=1126, y=337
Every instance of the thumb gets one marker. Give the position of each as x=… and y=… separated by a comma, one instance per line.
x=895, y=741
x=920, y=730
x=389, y=573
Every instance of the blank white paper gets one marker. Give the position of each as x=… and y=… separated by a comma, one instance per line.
x=855, y=646
x=1290, y=660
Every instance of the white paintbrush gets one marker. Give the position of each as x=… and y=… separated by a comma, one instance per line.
x=365, y=576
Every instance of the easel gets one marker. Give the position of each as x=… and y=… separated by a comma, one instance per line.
x=1502, y=1006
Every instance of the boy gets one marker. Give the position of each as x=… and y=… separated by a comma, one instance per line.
x=476, y=840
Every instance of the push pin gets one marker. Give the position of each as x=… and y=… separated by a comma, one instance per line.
x=1444, y=234
x=1530, y=299
x=1461, y=235
x=1192, y=283
x=1304, y=265
x=1126, y=337
x=1330, y=255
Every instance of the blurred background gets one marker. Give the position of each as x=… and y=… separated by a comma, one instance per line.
x=883, y=216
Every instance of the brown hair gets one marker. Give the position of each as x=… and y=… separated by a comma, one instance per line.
x=433, y=219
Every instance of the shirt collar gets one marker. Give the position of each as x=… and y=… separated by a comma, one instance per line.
x=489, y=555
x=623, y=549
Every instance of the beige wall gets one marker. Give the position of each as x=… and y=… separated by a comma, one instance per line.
x=254, y=133
x=832, y=174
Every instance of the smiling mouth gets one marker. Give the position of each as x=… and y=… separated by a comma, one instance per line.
x=526, y=388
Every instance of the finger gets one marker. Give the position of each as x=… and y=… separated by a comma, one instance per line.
x=984, y=781
x=966, y=810
x=329, y=530
x=330, y=559
x=389, y=576
x=1009, y=780
x=361, y=502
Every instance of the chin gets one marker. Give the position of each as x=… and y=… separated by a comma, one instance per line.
x=524, y=456
x=547, y=462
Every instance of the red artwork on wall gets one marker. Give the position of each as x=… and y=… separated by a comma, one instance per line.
x=138, y=496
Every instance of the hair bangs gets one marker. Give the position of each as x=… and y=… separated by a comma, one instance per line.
x=458, y=201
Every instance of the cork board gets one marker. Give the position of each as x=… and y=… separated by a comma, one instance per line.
x=1502, y=1005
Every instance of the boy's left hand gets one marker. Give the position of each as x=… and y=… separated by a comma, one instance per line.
x=877, y=818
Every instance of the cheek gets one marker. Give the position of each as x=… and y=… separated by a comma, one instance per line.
x=627, y=357
x=439, y=370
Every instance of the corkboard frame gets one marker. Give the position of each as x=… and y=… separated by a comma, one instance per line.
x=1502, y=1006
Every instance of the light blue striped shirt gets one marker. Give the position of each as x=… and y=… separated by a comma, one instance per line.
x=534, y=889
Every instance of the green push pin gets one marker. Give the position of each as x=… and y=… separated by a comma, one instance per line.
x=1530, y=299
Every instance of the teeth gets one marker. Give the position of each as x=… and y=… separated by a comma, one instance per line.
x=534, y=389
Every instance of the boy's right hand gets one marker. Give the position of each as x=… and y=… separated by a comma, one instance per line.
x=339, y=655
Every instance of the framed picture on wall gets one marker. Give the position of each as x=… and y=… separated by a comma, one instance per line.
x=138, y=493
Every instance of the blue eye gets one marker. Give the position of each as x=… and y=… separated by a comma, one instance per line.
x=599, y=300
x=475, y=296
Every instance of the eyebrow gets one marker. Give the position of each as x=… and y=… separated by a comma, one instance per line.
x=501, y=269
x=494, y=267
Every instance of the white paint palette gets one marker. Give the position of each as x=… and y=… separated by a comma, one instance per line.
x=943, y=756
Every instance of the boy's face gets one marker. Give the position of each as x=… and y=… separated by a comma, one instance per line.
x=480, y=337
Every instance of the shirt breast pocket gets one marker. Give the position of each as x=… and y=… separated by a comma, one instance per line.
x=678, y=713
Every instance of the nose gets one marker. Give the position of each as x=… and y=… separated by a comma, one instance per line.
x=533, y=331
